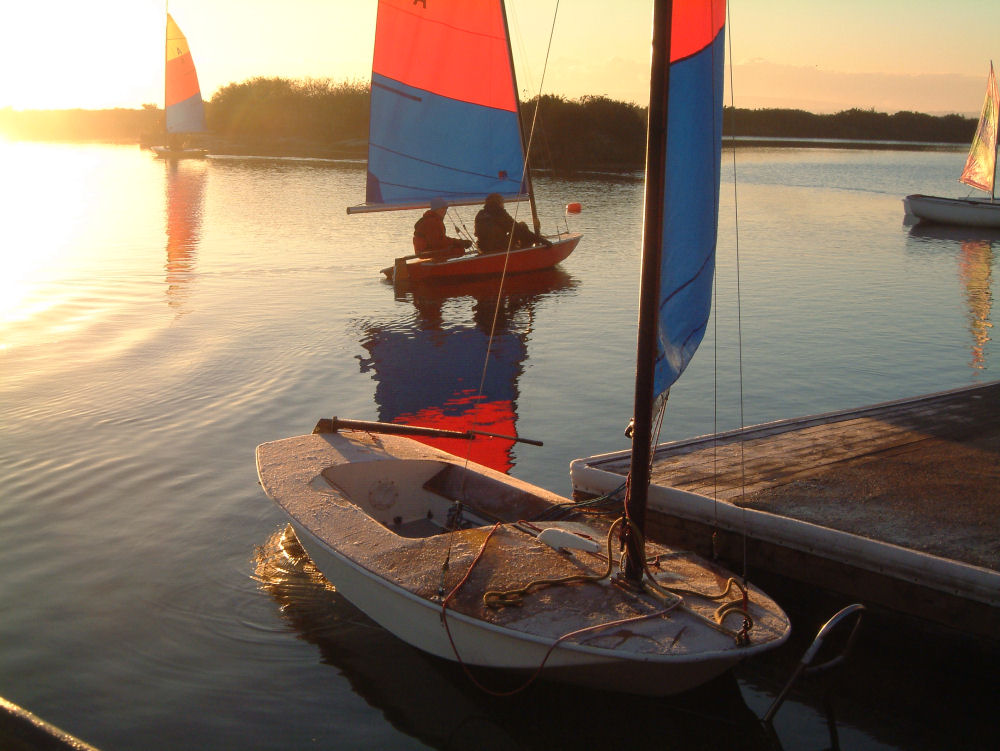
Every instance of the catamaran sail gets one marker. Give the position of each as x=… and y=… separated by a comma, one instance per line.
x=979, y=173
x=182, y=94
x=185, y=111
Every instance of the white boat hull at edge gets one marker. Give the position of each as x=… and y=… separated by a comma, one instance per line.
x=966, y=212
x=418, y=622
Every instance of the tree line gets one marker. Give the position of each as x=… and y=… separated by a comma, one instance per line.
x=321, y=117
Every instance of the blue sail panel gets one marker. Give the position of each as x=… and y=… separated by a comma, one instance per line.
x=185, y=111
x=187, y=116
x=691, y=201
x=422, y=145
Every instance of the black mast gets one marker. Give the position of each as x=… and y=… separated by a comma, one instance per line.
x=649, y=286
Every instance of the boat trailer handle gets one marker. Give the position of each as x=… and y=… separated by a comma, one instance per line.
x=334, y=424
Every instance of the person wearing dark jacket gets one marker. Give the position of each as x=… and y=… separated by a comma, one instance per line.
x=430, y=236
x=495, y=228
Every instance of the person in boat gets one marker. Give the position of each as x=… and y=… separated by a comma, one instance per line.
x=430, y=238
x=496, y=230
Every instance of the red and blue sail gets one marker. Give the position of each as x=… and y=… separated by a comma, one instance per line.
x=182, y=94
x=691, y=195
x=444, y=113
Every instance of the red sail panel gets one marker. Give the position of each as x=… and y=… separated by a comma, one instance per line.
x=182, y=79
x=453, y=48
x=694, y=26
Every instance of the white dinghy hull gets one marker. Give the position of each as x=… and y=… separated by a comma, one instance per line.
x=360, y=504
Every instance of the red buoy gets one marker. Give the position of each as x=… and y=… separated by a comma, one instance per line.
x=573, y=208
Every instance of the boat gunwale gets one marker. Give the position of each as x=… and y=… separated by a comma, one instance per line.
x=465, y=265
x=966, y=201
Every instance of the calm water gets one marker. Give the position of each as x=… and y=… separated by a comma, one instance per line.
x=158, y=322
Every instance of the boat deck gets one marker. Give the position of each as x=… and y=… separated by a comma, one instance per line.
x=849, y=488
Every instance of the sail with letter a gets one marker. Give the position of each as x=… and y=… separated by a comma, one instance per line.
x=691, y=190
x=182, y=94
x=444, y=109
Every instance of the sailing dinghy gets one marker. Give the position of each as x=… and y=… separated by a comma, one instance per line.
x=474, y=566
x=445, y=123
x=185, y=111
x=979, y=173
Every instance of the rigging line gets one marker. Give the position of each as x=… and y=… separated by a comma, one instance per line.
x=739, y=303
x=715, y=348
x=541, y=87
x=510, y=240
x=503, y=272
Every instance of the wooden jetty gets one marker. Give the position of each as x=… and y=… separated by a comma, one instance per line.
x=896, y=505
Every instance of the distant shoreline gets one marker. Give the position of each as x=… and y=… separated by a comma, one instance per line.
x=842, y=143
x=323, y=120
x=348, y=153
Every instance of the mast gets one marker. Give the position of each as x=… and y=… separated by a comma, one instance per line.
x=996, y=134
x=166, y=52
x=536, y=225
x=649, y=285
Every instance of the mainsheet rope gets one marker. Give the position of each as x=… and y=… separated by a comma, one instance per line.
x=739, y=298
x=673, y=598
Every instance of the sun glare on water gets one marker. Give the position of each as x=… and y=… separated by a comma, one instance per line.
x=46, y=208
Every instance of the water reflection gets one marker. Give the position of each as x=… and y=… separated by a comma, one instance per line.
x=975, y=270
x=185, y=187
x=432, y=700
x=441, y=368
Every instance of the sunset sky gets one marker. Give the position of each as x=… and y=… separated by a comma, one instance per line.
x=923, y=55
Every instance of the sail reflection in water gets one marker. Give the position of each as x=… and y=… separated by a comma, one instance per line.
x=185, y=186
x=976, y=271
x=429, y=370
x=974, y=247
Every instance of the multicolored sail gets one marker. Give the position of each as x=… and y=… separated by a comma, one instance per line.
x=980, y=168
x=691, y=191
x=444, y=110
x=185, y=109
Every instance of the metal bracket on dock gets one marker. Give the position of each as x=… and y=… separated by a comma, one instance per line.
x=805, y=666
